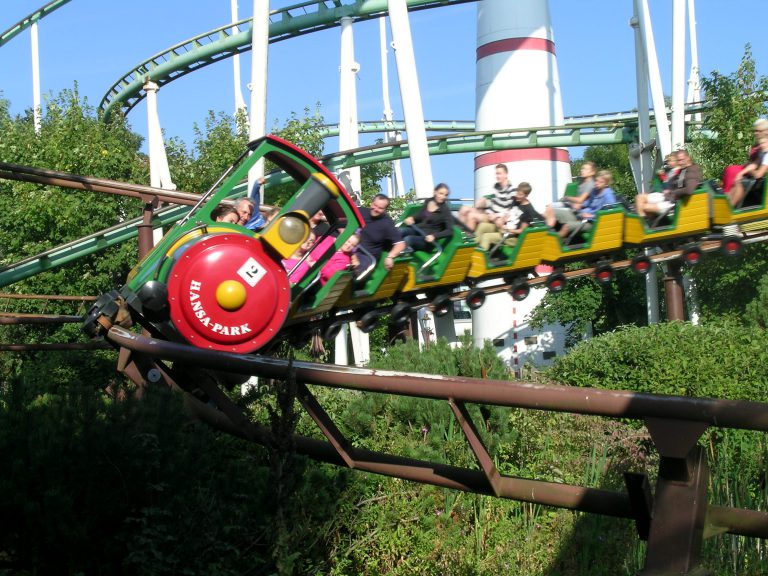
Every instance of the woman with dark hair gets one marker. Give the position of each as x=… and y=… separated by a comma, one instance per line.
x=434, y=221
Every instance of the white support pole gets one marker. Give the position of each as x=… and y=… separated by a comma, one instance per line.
x=239, y=100
x=395, y=179
x=258, y=85
x=694, y=80
x=348, y=128
x=411, y=98
x=640, y=160
x=159, y=173
x=663, y=139
x=36, y=110
x=678, y=74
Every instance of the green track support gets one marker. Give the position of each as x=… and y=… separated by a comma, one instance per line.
x=25, y=23
x=221, y=43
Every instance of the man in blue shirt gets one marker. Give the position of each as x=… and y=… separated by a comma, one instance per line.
x=600, y=196
x=255, y=221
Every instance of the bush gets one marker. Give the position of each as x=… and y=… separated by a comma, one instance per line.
x=720, y=360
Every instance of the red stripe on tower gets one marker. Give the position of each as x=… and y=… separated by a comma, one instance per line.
x=513, y=44
x=504, y=156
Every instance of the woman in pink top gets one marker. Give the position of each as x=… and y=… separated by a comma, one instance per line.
x=340, y=260
x=290, y=263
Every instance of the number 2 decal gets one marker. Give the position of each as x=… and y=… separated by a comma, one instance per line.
x=251, y=272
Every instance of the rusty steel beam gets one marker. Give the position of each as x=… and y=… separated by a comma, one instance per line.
x=77, y=182
x=14, y=296
x=592, y=500
x=739, y=414
x=15, y=319
x=54, y=346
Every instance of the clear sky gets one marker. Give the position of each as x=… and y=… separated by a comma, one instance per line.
x=95, y=42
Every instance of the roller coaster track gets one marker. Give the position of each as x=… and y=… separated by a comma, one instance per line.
x=25, y=23
x=442, y=144
x=666, y=519
x=222, y=42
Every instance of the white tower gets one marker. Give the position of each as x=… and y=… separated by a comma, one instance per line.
x=518, y=86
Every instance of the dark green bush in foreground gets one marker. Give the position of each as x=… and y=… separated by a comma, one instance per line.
x=718, y=360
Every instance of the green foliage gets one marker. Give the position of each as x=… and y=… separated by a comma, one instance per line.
x=737, y=100
x=756, y=313
x=584, y=301
x=216, y=146
x=34, y=218
x=726, y=284
x=440, y=358
x=720, y=360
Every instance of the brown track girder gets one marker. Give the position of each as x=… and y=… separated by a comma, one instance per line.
x=694, y=414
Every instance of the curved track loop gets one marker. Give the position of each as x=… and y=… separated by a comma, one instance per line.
x=25, y=23
x=222, y=42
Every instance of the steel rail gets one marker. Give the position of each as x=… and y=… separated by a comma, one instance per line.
x=55, y=346
x=519, y=394
x=628, y=117
x=26, y=22
x=75, y=181
x=16, y=296
x=221, y=43
x=739, y=414
x=7, y=319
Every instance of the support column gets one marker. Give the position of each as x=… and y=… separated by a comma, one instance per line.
x=678, y=74
x=640, y=157
x=517, y=86
x=395, y=186
x=258, y=84
x=411, y=98
x=239, y=100
x=663, y=138
x=673, y=290
x=36, y=111
x=348, y=128
x=159, y=172
x=679, y=506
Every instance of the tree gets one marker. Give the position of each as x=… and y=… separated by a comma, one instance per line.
x=734, y=101
x=726, y=284
x=34, y=218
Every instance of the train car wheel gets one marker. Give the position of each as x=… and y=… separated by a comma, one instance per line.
x=440, y=305
x=520, y=290
x=604, y=273
x=692, y=255
x=556, y=282
x=227, y=293
x=731, y=246
x=332, y=331
x=641, y=265
x=369, y=320
x=476, y=298
x=400, y=313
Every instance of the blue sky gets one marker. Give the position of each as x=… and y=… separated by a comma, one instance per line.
x=94, y=42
